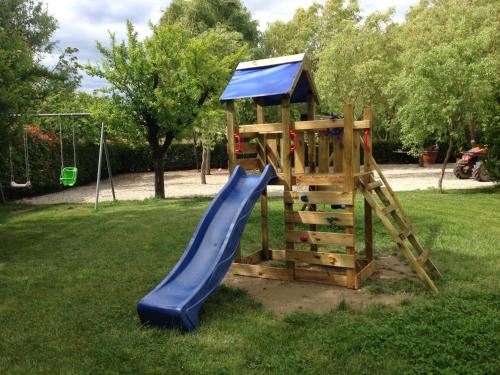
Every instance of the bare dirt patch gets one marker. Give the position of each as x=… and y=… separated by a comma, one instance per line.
x=283, y=297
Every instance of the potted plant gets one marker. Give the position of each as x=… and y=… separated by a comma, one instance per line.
x=429, y=155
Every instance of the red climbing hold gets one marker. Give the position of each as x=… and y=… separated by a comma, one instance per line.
x=304, y=237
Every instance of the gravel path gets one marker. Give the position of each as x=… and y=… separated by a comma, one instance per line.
x=183, y=184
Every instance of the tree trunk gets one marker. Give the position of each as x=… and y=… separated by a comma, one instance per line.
x=448, y=153
x=472, y=131
x=159, y=164
x=203, y=166
x=207, y=166
x=195, y=152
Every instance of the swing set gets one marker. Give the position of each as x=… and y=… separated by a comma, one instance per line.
x=69, y=174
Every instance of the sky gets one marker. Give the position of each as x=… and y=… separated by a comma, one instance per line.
x=83, y=22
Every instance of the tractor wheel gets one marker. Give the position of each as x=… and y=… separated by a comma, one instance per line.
x=479, y=172
x=462, y=171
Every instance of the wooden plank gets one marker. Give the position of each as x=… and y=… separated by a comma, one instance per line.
x=318, y=179
x=351, y=250
x=287, y=169
x=373, y=185
x=230, y=135
x=348, y=148
x=320, y=276
x=319, y=197
x=270, y=62
x=363, y=124
x=252, y=258
x=248, y=148
x=318, y=124
x=320, y=218
x=311, y=136
x=272, y=151
x=249, y=164
x=364, y=274
x=338, y=154
x=323, y=153
x=264, y=212
x=316, y=257
x=264, y=272
x=321, y=238
x=272, y=128
x=300, y=154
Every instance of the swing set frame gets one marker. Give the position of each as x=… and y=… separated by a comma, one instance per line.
x=103, y=149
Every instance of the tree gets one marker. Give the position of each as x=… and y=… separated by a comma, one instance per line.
x=161, y=83
x=299, y=35
x=449, y=72
x=25, y=36
x=201, y=16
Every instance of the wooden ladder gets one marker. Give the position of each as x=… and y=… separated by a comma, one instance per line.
x=404, y=232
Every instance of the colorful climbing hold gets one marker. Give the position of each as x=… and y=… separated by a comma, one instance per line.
x=304, y=198
x=338, y=206
x=304, y=237
x=330, y=219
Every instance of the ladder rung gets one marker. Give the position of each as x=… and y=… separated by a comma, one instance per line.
x=424, y=257
x=388, y=209
x=373, y=185
x=406, y=233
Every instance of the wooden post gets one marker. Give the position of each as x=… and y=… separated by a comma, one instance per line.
x=230, y=136
x=348, y=148
x=263, y=199
x=349, y=180
x=311, y=137
x=287, y=171
x=367, y=115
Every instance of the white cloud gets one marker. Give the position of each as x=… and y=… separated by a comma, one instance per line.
x=83, y=22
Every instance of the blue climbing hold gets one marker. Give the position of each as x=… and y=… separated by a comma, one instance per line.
x=304, y=198
x=338, y=206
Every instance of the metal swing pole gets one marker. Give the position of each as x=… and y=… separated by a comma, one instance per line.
x=103, y=147
x=108, y=164
x=98, y=183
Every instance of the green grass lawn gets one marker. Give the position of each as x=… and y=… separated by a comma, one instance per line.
x=70, y=279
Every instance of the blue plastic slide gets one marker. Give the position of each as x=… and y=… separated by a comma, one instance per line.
x=177, y=300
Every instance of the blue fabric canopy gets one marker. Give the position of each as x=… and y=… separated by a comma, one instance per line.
x=269, y=83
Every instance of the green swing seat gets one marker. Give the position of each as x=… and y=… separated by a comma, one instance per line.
x=68, y=176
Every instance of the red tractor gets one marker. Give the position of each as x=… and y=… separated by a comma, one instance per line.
x=471, y=164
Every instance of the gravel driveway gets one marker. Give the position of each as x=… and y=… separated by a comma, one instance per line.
x=183, y=184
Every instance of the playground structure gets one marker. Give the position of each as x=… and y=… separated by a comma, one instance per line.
x=68, y=174
x=321, y=159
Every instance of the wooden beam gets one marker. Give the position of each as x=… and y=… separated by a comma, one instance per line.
x=315, y=257
x=273, y=128
x=264, y=211
x=318, y=179
x=319, y=197
x=252, y=258
x=300, y=154
x=287, y=169
x=348, y=148
x=364, y=274
x=363, y=124
x=320, y=276
x=230, y=135
x=323, y=153
x=320, y=218
x=270, y=62
x=320, y=238
x=249, y=164
x=260, y=271
x=318, y=124
x=248, y=148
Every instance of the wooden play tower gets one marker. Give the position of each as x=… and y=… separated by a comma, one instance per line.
x=321, y=163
